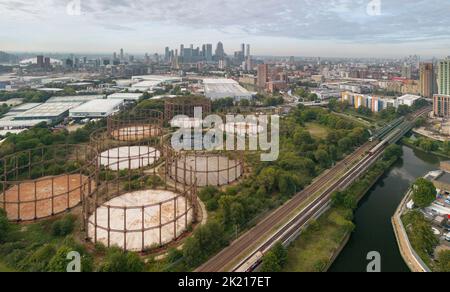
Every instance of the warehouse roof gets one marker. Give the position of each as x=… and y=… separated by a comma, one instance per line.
x=220, y=88
x=25, y=107
x=48, y=110
x=75, y=98
x=126, y=96
x=98, y=105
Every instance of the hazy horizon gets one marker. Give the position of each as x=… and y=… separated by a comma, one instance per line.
x=303, y=28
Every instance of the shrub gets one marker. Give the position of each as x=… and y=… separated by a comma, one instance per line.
x=118, y=261
x=64, y=226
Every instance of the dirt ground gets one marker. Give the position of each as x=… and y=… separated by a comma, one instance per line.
x=209, y=171
x=37, y=198
x=135, y=133
x=133, y=157
x=134, y=219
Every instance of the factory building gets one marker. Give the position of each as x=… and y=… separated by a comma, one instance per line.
x=222, y=88
x=96, y=109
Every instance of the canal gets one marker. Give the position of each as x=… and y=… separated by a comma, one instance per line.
x=373, y=217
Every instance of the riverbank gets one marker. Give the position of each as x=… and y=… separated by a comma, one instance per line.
x=321, y=243
x=410, y=257
x=409, y=143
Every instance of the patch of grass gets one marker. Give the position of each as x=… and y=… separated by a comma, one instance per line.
x=4, y=268
x=319, y=242
x=317, y=130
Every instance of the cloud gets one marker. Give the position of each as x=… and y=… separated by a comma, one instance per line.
x=400, y=21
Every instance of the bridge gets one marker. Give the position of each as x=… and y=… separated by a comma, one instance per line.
x=286, y=223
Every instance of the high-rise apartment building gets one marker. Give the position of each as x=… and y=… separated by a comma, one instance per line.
x=444, y=77
x=441, y=105
x=263, y=76
x=427, y=80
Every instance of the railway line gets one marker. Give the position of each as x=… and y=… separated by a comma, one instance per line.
x=245, y=253
x=220, y=261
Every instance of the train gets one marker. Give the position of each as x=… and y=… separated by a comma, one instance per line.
x=386, y=141
x=380, y=134
x=251, y=264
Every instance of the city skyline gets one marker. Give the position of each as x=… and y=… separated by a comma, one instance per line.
x=342, y=28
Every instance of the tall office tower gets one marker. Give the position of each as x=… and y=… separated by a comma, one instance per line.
x=220, y=52
x=248, y=51
x=209, y=52
x=40, y=61
x=427, y=80
x=121, y=54
x=263, y=76
x=167, y=54
x=243, y=49
x=47, y=62
x=444, y=76
x=181, y=50
x=406, y=71
x=114, y=56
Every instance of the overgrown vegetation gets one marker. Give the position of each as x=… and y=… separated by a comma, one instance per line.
x=420, y=235
x=302, y=157
x=314, y=250
x=429, y=145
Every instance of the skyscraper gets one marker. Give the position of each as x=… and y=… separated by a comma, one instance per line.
x=444, y=77
x=220, y=52
x=248, y=51
x=263, y=76
x=243, y=49
x=427, y=80
x=167, y=54
x=121, y=54
x=40, y=61
x=209, y=52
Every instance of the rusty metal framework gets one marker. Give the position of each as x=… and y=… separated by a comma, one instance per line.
x=185, y=105
x=116, y=182
x=47, y=181
x=135, y=125
x=207, y=168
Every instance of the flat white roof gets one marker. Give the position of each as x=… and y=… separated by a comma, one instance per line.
x=24, y=107
x=98, y=106
x=221, y=88
x=126, y=96
x=21, y=124
x=74, y=98
x=159, y=78
x=48, y=110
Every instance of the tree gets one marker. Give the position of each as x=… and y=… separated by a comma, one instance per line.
x=4, y=226
x=119, y=261
x=444, y=261
x=322, y=158
x=393, y=151
x=275, y=259
x=424, y=193
x=270, y=264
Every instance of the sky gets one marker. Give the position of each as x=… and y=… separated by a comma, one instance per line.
x=331, y=28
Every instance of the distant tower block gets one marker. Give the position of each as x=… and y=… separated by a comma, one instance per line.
x=44, y=182
x=135, y=125
x=185, y=105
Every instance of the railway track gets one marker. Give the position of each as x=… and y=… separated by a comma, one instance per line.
x=232, y=252
x=353, y=165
